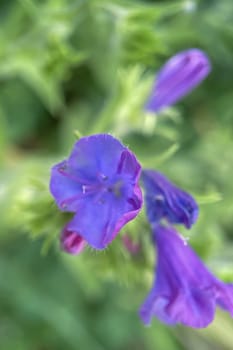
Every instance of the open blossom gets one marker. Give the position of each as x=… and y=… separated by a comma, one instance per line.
x=99, y=184
x=166, y=201
x=184, y=290
x=180, y=75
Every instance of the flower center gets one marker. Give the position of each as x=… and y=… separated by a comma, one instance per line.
x=116, y=188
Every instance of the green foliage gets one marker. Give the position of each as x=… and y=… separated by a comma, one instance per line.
x=71, y=68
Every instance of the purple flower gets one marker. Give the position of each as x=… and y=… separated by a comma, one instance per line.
x=180, y=75
x=99, y=184
x=184, y=290
x=166, y=201
x=72, y=242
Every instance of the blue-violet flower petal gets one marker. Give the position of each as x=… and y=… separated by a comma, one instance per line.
x=166, y=201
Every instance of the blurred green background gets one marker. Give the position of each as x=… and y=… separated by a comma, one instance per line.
x=87, y=66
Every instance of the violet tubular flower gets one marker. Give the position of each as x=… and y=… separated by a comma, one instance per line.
x=166, y=201
x=184, y=291
x=179, y=76
x=99, y=184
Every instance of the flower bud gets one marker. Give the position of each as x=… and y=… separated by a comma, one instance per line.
x=180, y=75
x=72, y=242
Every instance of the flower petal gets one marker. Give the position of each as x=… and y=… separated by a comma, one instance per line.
x=195, y=309
x=100, y=219
x=129, y=166
x=95, y=156
x=225, y=296
x=166, y=201
x=64, y=187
